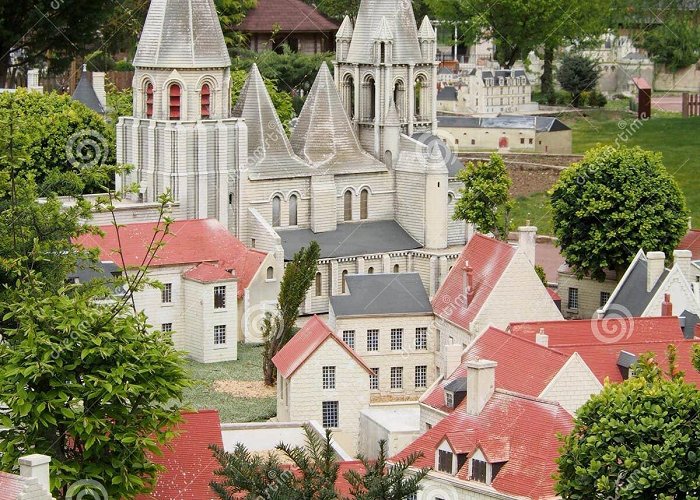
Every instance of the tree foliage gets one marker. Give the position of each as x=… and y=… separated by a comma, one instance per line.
x=612, y=203
x=485, y=198
x=314, y=473
x=577, y=74
x=636, y=439
x=299, y=274
x=675, y=44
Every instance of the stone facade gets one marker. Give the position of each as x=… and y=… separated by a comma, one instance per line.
x=581, y=298
x=573, y=385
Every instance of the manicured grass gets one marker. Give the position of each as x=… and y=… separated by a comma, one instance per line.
x=675, y=137
x=534, y=208
x=201, y=395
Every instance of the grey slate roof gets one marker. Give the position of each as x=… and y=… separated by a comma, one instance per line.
x=453, y=163
x=324, y=136
x=399, y=19
x=373, y=294
x=688, y=322
x=270, y=154
x=447, y=94
x=632, y=293
x=87, y=271
x=503, y=73
x=538, y=123
x=457, y=385
x=182, y=34
x=85, y=93
x=350, y=239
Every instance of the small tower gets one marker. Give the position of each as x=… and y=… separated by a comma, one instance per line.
x=428, y=40
x=392, y=136
x=343, y=39
x=436, y=216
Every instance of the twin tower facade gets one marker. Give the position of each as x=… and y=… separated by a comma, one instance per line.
x=360, y=151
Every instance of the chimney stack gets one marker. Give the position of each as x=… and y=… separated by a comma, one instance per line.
x=667, y=306
x=542, y=338
x=36, y=466
x=683, y=258
x=468, y=282
x=655, y=268
x=453, y=357
x=481, y=382
x=527, y=239
x=98, y=85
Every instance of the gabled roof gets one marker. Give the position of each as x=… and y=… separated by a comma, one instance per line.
x=537, y=123
x=208, y=273
x=304, y=343
x=285, y=16
x=630, y=294
x=488, y=258
x=691, y=241
x=426, y=30
x=400, y=20
x=511, y=425
x=85, y=93
x=454, y=165
x=346, y=29
x=523, y=366
x=350, y=239
x=189, y=242
x=188, y=461
x=270, y=154
x=382, y=294
x=324, y=136
x=384, y=32
x=182, y=34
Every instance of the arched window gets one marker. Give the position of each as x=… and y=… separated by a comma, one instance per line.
x=349, y=96
x=370, y=270
x=293, y=210
x=399, y=98
x=342, y=277
x=205, y=100
x=450, y=198
x=319, y=285
x=276, y=217
x=370, y=99
x=396, y=268
x=149, y=100
x=175, y=95
x=347, y=205
x=364, y=197
x=421, y=93
x=270, y=273
x=382, y=52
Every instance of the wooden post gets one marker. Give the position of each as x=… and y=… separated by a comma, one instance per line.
x=685, y=104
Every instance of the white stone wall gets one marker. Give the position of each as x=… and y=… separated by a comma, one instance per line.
x=682, y=295
x=588, y=295
x=429, y=416
x=573, y=385
x=259, y=298
x=380, y=205
x=306, y=392
x=385, y=358
x=439, y=485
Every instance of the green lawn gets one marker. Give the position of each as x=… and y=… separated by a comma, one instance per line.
x=202, y=395
x=677, y=138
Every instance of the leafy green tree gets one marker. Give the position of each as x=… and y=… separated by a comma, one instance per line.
x=485, y=199
x=56, y=135
x=612, y=203
x=637, y=439
x=231, y=14
x=541, y=274
x=384, y=481
x=299, y=274
x=577, y=74
x=675, y=43
x=282, y=101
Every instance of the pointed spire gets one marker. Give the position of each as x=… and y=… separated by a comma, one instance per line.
x=182, y=34
x=384, y=31
x=346, y=30
x=426, y=32
x=85, y=93
x=392, y=116
x=269, y=151
x=324, y=136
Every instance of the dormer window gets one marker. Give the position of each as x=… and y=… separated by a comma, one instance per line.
x=205, y=99
x=455, y=392
x=478, y=472
x=174, y=104
x=445, y=459
x=449, y=399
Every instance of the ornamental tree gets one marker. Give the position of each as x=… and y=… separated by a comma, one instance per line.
x=485, y=198
x=636, y=439
x=612, y=203
x=577, y=74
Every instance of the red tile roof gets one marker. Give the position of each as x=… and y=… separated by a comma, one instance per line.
x=691, y=241
x=555, y=296
x=488, y=258
x=511, y=425
x=523, y=366
x=304, y=343
x=190, y=242
x=11, y=486
x=189, y=464
x=208, y=273
x=286, y=16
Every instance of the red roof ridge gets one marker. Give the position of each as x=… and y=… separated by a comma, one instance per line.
x=517, y=338
x=527, y=397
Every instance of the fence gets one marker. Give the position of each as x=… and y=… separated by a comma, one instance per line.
x=691, y=105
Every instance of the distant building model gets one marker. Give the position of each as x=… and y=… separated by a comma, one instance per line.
x=272, y=24
x=91, y=91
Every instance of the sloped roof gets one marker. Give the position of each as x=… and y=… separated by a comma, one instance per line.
x=426, y=29
x=691, y=241
x=85, y=93
x=350, y=239
x=399, y=19
x=208, y=273
x=189, y=242
x=270, y=154
x=448, y=93
x=382, y=294
x=182, y=34
x=488, y=258
x=324, y=136
x=304, y=343
x=188, y=461
x=454, y=164
x=538, y=123
x=523, y=365
x=346, y=29
x=285, y=16
x=520, y=427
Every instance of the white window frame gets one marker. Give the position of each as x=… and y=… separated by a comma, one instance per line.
x=374, y=380
x=219, y=335
x=330, y=413
x=422, y=335
x=396, y=343
x=349, y=338
x=396, y=377
x=166, y=294
x=374, y=345
x=421, y=376
x=220, y=291
x=328, y=377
